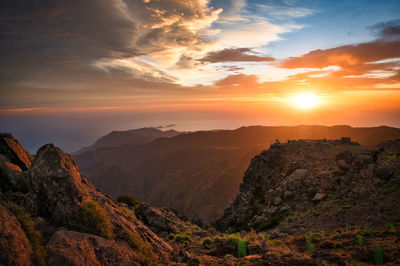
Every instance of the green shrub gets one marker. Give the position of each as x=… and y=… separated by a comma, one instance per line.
x=146, y=256
x=206, y=241
x=360, y=240
x=370, y=231
x=346, y=227
x=339, y=211
x=241, y=248
x=93, y=219
x=309, y=245
x=378, y=257
x=302, y=230
x=180, y=237
x=129, y=200
x=35, y=237
x=323, y=234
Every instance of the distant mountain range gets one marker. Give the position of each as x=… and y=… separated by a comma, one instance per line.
x=133, y=137
x=197, y=173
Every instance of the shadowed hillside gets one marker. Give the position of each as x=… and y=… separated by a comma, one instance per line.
x=199, y=173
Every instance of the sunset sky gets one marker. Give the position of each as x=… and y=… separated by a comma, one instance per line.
x=72, y=71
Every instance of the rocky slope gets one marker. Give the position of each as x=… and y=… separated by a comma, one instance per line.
x=199, y=173
x=50, y=214
x=320, y=185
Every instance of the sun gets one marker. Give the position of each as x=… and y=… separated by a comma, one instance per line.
x=305, y=101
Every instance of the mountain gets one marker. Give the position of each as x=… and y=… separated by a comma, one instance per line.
x=199, y=173
x=305, y=202
x=132, y=137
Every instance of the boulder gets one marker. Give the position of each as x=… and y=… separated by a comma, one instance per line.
x=15, y=248
x=345, y=155
x=319, y=197
x=385, y=172
x=54, y=176
x=343, y=165
x=277, y=201
x=73, y=248
x=159, y=220
x=13, y=151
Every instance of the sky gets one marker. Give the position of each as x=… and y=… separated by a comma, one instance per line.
x=72, y=71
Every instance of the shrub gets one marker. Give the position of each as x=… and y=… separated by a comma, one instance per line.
x=206, y=241
x=346, y=227
x=360, y=240
x=32, y=233
x=302, y=230
x=323, y=234
x=129, y=200
x=180, y=238
x=128, y=213
x=309, y=245
x=241, y=248
x=378, y=257
x=133, y=239
x=93, y=219
x=370, y=231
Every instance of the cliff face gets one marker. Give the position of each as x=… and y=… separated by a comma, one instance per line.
x=318, y=185
x=51, y=214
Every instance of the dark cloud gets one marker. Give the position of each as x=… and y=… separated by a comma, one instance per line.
x=234, y=55
x=47, y=38
x=49, y=42
x=387, y=30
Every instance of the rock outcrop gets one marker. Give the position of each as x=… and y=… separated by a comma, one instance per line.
x=74, y=248
x=53, y=196
x=303, y=179
x=15, y=248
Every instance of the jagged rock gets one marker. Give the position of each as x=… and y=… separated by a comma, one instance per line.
x=343, y=165
x=319, y=197
x=385, y=172
x=73, y=248
x=55, y=177
x=15, y=248
x=345, y=155
x=277, y=201
x=160, y=221
x=361, y=161
x=13, y=151
x=368, y=172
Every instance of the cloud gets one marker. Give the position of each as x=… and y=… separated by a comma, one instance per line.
x=285, y=11
x=387, y=30
x=234, y=55
x=48, y=42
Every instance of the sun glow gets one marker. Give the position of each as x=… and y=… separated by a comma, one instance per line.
x=305, y=100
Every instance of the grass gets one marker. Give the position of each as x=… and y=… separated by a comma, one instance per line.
x=360, y=240
x=378, y=256
x=93, y=219
x=35, y=237
x=309, y=245
x=133, y=239
x=129, y=200
x=241, y=248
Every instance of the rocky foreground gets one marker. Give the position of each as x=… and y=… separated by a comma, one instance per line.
x=300, y=203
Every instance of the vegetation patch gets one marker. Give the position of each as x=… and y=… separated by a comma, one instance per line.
x=93, y=219
x=129, y=200
x=241, y=248
x=146, y=256
x=33, y=234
